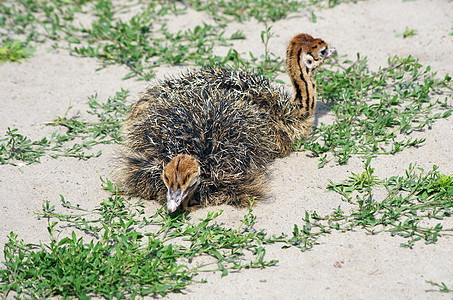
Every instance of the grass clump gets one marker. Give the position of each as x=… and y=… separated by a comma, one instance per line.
x=16, y=147
x=122, y=262
x=377, y=111
x=141, y=42
x=126, y=255
x=116, y=250
x=407, y=33
x=442, y=286
x=14, y=51
x=243, y=10
x=413, y=201
x=264, y=11
x=109, y=117
x=78, y=140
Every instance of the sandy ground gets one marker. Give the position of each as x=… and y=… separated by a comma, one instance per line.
x=373, y=266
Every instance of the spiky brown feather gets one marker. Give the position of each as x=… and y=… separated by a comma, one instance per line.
x=246, y=89
x=231, y=144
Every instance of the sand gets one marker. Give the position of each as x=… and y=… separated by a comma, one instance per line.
x=372, y=266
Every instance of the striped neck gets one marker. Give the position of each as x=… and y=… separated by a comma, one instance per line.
x=302, y=80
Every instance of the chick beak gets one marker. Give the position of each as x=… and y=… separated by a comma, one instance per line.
x=174, y=199
x=331, y=52
x=178, y=196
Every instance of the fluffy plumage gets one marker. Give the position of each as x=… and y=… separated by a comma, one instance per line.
x=220, y=126
x=230, y=145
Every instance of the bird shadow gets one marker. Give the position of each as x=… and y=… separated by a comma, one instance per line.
x=322, y=109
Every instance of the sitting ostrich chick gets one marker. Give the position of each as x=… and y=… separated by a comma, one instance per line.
x=197, y=145
x=207, y=136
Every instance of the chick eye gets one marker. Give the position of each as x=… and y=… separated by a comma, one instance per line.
x=193, y=181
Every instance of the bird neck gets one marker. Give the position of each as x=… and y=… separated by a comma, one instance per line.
x=303, y=83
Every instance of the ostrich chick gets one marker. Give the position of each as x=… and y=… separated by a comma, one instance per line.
x=197, y=147
x=207, y=136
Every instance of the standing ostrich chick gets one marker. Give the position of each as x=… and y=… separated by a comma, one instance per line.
x=207, y=136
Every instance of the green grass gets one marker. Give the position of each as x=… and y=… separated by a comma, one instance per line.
x=14, y=51
x=130, y=254
x=243, y=10
x=264, y=11
x=407, y=33
x=78, y=140
x=376, y=112
x=410, y=200
x=442, y=286
x=116, y=250
x=142, y=42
